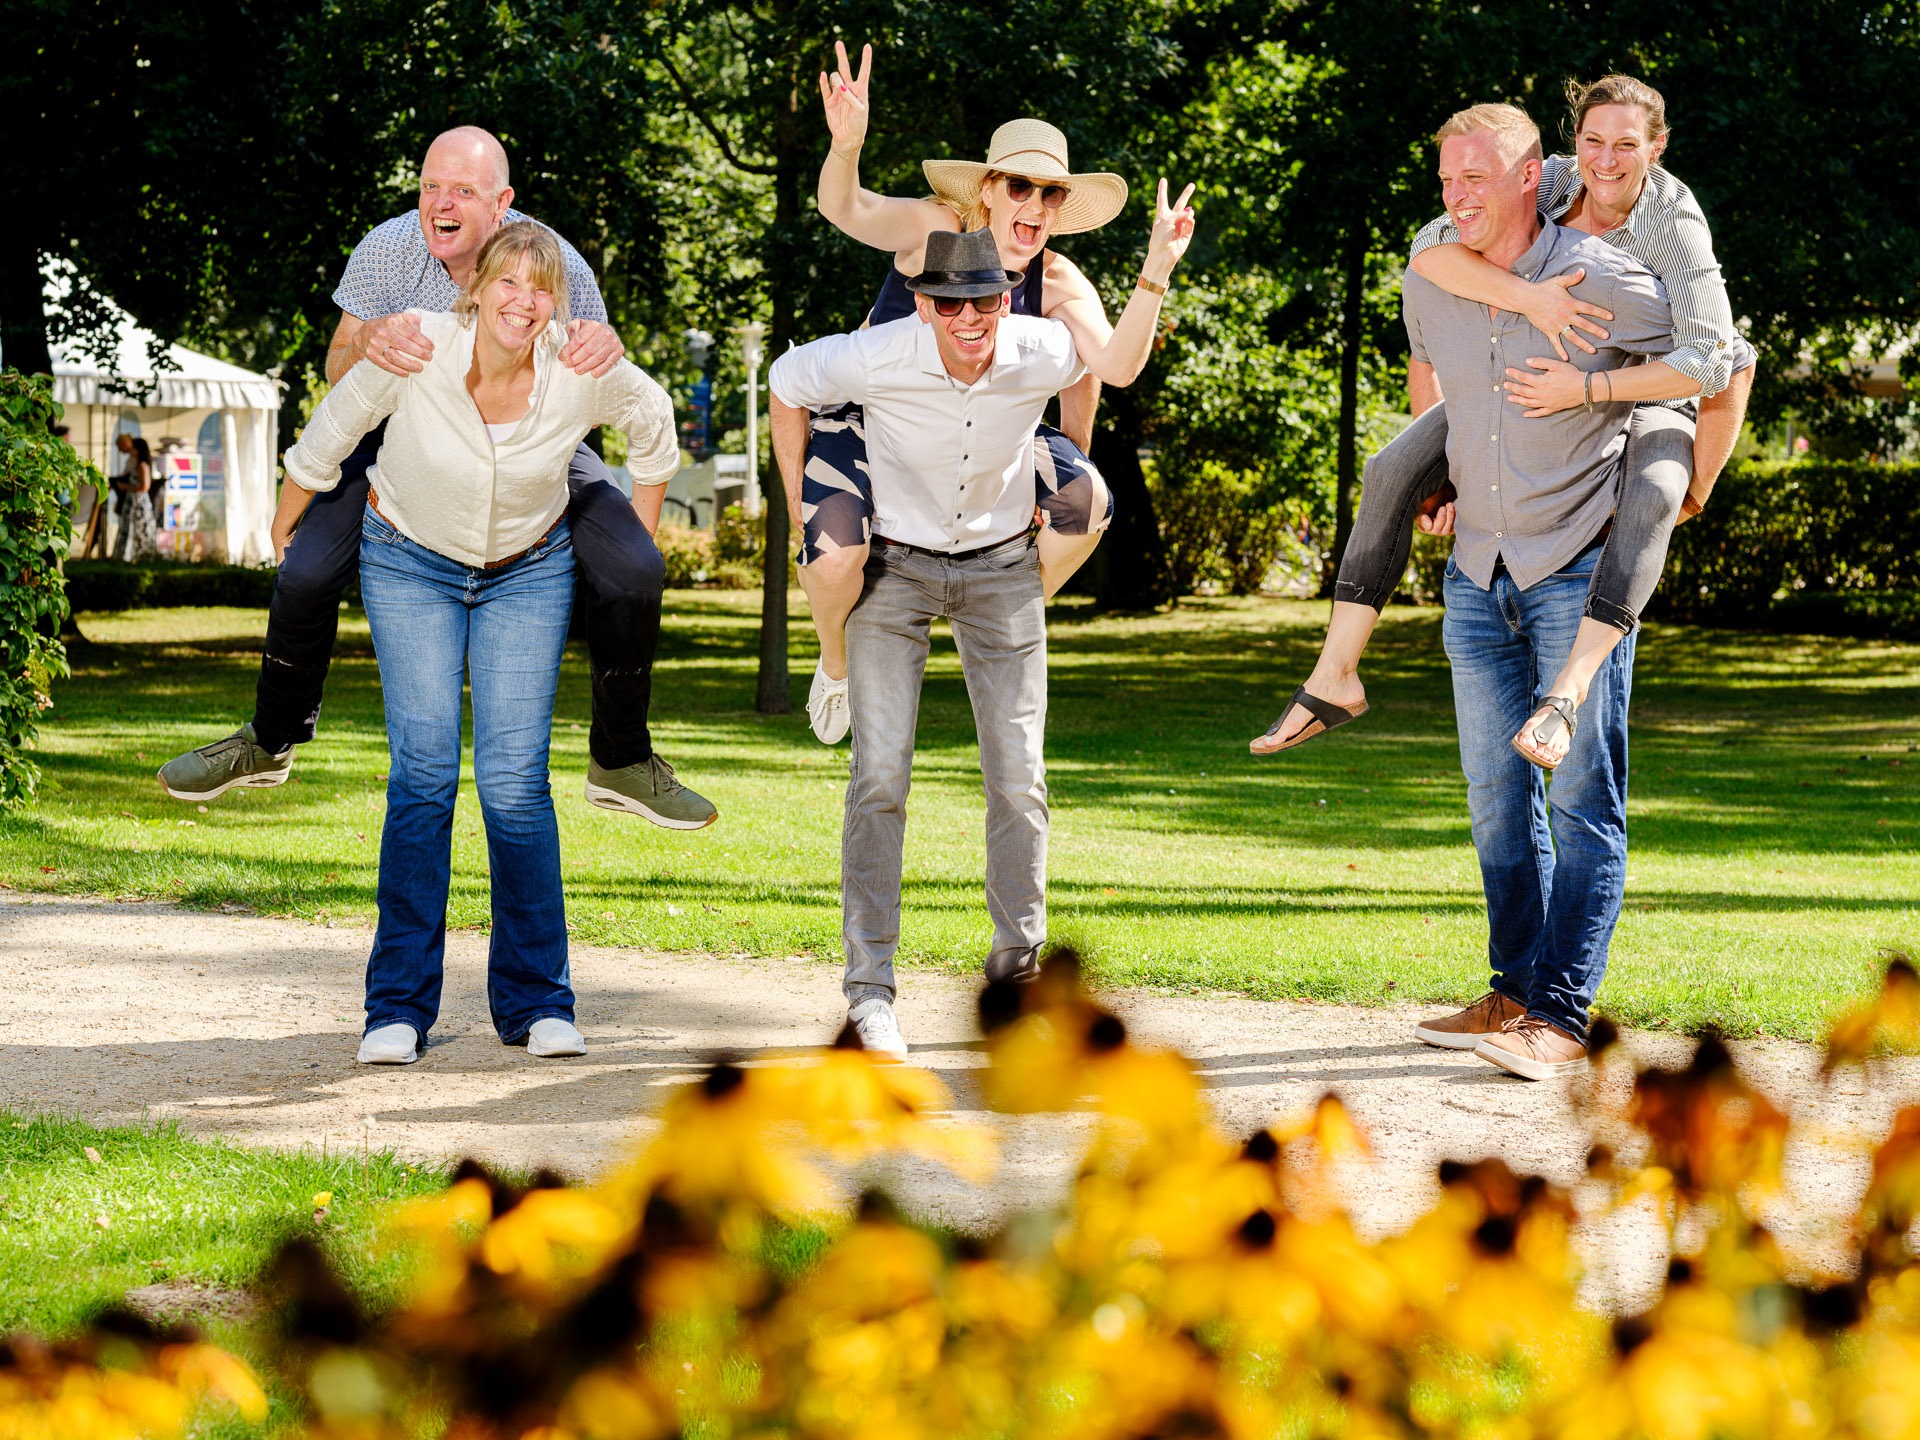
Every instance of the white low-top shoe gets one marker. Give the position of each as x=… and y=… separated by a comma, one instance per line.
x=553, y=1037
x=827, y=707
x=879, y=1031
x=395, y=1044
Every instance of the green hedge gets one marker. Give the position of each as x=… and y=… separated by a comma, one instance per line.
x=1819, y=546
x=1811, y=547
x=114, y=585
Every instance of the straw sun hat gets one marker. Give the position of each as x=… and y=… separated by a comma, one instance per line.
x=1038, y=151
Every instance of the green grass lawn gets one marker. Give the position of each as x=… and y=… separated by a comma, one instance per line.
x=77, y=1232
x=1776, y=802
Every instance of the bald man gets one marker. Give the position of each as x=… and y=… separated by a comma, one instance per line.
x=422, y=261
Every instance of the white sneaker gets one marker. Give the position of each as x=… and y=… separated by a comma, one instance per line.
x=879, y=1031
x=554, y=1037
x=395, y=1044
x=827, y=707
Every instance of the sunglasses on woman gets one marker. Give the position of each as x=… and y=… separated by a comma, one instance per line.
x=982, y=304
x=1019, y=188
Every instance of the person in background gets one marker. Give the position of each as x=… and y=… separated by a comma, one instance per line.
x=137, y=539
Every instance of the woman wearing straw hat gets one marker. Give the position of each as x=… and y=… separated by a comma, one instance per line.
x=1026, y=192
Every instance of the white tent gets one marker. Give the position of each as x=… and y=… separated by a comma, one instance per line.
x=230, y=415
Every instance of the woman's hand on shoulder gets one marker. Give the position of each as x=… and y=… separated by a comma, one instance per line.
x=843, y=95
x=1560, y=315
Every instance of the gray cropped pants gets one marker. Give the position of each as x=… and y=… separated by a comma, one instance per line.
x=1654, y=474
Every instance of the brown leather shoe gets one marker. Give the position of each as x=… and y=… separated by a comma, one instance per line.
x=1467, y=1028
x=1533, y=1049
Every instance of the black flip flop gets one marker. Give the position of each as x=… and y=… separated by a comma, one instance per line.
x=1326, y=715
x=1562, y=712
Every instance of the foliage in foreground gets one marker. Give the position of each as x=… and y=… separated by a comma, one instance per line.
x=38, y=477
x=1197, y=1286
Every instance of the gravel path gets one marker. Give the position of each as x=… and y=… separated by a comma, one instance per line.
x=245, y=1028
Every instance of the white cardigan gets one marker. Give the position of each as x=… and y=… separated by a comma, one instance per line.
x=442, y=482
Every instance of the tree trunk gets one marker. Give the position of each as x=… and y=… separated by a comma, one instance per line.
x=1132, y=560
x=771, y=692
x=23, y=314
x=1346, y=466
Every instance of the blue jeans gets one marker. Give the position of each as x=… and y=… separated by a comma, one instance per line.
x=434, y=621
x=1553, y=862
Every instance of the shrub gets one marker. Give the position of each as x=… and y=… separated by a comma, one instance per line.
x=39, y=474
x=727, y=558
x=1221, y=527
x=688, y=555
x=116, y=585
x=1777, y=535
x=1818, y=547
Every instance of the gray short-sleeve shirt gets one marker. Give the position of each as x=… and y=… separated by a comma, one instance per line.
x=1533, y=493
x=393, y=270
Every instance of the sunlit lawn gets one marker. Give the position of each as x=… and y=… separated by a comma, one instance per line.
x=1776, y=804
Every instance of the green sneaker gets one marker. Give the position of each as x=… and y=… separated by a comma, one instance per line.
x=649, y=789
x=215, y=769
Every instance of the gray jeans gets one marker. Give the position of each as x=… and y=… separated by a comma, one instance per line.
x=1655, y=471
x=992, y=600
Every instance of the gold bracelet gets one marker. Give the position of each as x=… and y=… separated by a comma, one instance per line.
x=1150, y=287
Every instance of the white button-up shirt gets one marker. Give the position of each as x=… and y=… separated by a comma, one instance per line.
x=443, y=481
x=951, y=464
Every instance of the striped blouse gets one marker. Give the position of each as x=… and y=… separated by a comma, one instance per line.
x=1667, y=232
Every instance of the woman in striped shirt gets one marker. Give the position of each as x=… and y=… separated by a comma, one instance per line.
x=1613, y=188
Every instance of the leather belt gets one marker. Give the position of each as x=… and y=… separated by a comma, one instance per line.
x=373, y=499
x=972, y=554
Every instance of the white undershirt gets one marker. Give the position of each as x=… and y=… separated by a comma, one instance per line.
x=497, y=433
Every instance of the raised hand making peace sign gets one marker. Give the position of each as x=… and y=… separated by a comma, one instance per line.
x=844, y=96
x=1172, y=232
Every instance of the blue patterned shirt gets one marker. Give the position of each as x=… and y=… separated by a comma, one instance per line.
x=393, y=270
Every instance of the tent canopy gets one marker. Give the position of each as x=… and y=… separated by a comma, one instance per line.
x=199, y=383
x=247, y=408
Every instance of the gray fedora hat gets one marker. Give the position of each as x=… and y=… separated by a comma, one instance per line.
x=963, y=266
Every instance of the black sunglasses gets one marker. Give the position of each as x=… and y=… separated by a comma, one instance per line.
x=1019, y=188
x=982, y=304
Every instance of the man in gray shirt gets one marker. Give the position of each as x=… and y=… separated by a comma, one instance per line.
x=1535, y=496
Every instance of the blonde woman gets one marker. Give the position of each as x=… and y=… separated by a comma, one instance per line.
x=466, y=569
x=1027, y=193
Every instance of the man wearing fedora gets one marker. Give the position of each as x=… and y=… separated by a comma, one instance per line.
x=950, y=405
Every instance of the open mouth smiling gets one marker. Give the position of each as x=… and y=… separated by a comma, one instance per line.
x=442, y=225
x=1026, y=232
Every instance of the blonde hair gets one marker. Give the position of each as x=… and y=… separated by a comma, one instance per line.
x=1619, y=90
x=505, y=250
x=1513, y=131
x=973, y=214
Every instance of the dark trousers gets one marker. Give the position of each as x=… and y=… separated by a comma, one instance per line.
x=620, y=570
